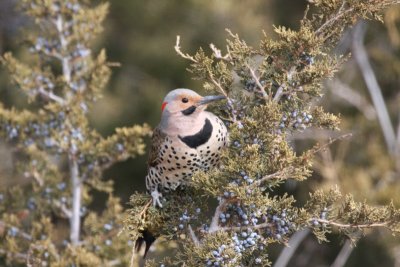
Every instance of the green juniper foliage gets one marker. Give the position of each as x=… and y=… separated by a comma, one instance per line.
x=48, y=222
x=271, y=94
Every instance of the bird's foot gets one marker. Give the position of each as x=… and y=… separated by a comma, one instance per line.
x=156, y=198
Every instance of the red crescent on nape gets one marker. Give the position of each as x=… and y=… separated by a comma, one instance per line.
x=163, y=105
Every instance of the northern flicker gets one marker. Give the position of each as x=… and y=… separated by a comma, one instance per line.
x=187, y=139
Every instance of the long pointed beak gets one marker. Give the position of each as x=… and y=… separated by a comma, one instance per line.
x=210, y=98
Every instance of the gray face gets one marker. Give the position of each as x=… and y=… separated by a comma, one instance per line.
x=186, y=101
x=179, y=100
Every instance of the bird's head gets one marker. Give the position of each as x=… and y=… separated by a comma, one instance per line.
x=186, y=102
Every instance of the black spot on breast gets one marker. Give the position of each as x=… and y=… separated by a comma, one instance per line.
x=199, y=138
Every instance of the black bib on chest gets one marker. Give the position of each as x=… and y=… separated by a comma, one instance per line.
x=199, y=138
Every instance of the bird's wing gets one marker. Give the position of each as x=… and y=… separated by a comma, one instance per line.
x=157, y=141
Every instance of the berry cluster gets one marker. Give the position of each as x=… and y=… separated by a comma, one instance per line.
x=250, y=84
x=240, y=243
x=305, y=60
x=12, y=131
x=246, y=178
x=280, y=225
x=219, y=258
x=245, y=240
x=323, y=216
x=295, y=120
x=13, y=231
x=186, y=217
x=44, y=46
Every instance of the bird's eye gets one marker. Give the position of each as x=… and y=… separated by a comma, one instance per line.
x=185, y=100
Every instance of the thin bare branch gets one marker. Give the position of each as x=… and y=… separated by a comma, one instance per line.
x=218, y=54
x=193, y=236
x=316, y=134
x=209, y=73
x=343, y=255
x=257, y=81
x=331, y=141
x=132, y=262
x=59, y=23
x=398, y=143
x=350, y=95
x=51, y=96
x=278, y=94
x=375, y=91
x=19, y=232
x=75, y=218
x=36, y=177
x=238, y=228
x=341, y=12
x=214, y=222
x=279, y=91
x=348, y=225
x=179, y=51
x=287, y=253
x=16, y=255
x=277, y=175
x=67, y=212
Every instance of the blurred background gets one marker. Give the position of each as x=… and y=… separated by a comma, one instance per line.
x=140, y=35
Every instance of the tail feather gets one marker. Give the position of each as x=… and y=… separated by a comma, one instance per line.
x=147, y=238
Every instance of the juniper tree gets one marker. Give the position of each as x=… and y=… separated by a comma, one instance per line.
x=370, y=172
x=61, y=156
x=271, y=94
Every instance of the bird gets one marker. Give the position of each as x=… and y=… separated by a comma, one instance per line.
x=187, y=139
